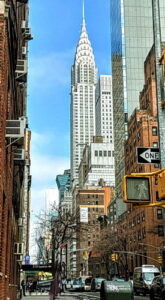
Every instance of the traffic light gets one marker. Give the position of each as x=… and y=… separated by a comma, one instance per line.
x=160, y=259
x=114, y=256
x=161, y=185
x=136, y=189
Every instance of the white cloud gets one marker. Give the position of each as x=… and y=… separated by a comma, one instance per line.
x=44, y=168
x=49, y=70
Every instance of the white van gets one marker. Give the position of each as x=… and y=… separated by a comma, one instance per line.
x=142, y=278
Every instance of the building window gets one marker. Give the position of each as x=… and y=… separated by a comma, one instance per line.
x=159, y=214
x=100, y=153
x=154, y=131
x=96, y=153
x=160, y=230
x=155, y=144
x=157, y=196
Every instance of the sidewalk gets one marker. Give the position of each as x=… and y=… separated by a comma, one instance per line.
x=66, y=296
x=45, y=296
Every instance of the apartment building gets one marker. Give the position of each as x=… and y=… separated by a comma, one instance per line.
x=91, y=203
x=15, y=176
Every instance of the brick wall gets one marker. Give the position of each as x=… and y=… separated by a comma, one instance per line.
x=11, y=177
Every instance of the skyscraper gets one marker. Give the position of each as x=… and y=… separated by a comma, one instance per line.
x=131, y=39
x=83, y=85
x=104, y=109
x=63, y=183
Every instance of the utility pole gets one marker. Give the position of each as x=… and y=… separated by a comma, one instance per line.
x=159, y=79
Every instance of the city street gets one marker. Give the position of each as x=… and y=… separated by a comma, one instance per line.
x=74, y=296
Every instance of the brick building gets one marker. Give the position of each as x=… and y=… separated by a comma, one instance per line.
x=139, y=231
x=91, y=203
x=145, y=226
x=14, y=155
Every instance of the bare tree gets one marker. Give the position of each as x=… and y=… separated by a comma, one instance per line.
x=54, y=229
x=113, y=242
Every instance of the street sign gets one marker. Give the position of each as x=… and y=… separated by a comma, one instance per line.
x=148, y=155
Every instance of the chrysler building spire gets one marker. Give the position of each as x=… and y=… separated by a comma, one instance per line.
x=83, y=85
x=84, y=51
x=83, y=14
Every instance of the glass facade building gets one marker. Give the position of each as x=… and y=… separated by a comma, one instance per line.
x=131, y=40
x=63, y=183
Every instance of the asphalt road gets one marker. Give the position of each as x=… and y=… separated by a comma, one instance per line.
x=74, y=296
x=95, y=296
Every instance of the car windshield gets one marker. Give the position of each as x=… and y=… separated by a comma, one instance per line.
x=88, y=281
x=76, y=282
x=149, y=276
x=99, y=279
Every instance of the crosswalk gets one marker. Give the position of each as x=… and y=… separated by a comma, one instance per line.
x=63, y=296
x=88, y=296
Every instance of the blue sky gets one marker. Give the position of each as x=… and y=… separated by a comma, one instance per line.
x=56, y=26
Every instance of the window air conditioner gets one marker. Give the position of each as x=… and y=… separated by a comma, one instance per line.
x=6, y=12
x=21, y=67
x=20, y=222
x=15, y=128
x=22, y=1
x=19, y=154
x=20, y=258
x=18, y=248
x=23, y=25
x=24, y=50
x=27, y=34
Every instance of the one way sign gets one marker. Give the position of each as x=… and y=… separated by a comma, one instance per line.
x=148, y=155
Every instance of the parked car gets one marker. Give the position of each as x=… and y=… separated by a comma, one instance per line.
x=69, y=284
x=86, y=283
x=157, y=290
x=43, y=286
x=96, y=284
x=76, y=285
x=118, y=279
x=143, y=277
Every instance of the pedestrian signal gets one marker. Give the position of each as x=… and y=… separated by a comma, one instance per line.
x=136, y=189
x=114, y=256
x=85, y=255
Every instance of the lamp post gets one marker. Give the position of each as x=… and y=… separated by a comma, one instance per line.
x=159, y=249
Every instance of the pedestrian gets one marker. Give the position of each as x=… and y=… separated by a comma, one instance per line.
x=60, y=287
x=30, y=287
x=23, y=287
x=63, y=285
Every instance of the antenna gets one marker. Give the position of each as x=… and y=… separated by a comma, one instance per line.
x=83, y=12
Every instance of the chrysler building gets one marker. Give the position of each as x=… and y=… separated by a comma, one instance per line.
x=83, y=85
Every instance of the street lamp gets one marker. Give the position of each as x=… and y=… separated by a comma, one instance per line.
x=159, y=249
x=150, y=246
